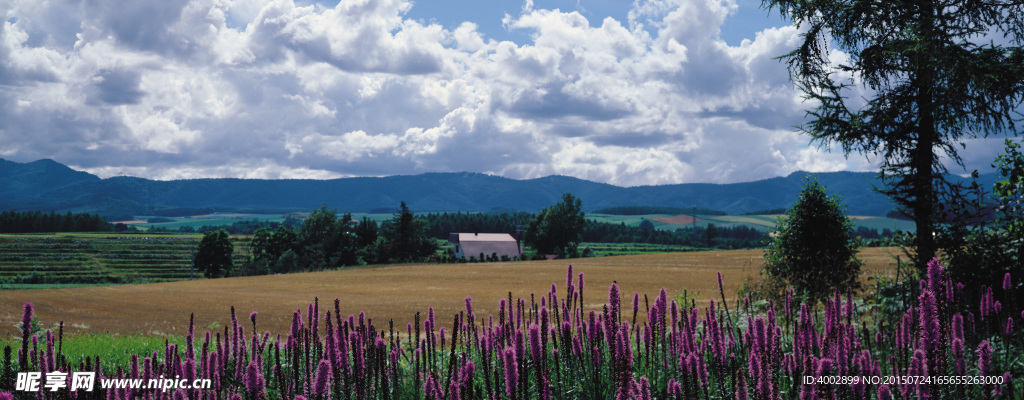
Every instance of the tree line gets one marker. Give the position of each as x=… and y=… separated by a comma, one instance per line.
x=37, y=221
x=322, y=241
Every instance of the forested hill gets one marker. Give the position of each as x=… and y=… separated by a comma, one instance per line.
x=46, y=185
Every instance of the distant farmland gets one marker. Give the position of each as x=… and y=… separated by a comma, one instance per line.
x=101, y=257
x=385, y=292
x=759, y=222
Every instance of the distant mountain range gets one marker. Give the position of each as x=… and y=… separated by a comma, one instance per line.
x=47, y=185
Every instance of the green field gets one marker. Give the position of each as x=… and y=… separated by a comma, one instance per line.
x=759, y=222
x=196, y=222
x=625, y=249
x=48, y=260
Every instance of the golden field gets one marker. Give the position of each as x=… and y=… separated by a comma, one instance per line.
x=384, y=292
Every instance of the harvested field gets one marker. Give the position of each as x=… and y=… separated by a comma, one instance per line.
x=390, y=292
x=681, y=219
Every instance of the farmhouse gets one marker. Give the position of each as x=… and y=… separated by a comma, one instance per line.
x=469, y=245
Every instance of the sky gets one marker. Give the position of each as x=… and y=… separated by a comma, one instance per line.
x=643, y=93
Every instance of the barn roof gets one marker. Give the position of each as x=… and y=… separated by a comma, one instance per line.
x=487, y=243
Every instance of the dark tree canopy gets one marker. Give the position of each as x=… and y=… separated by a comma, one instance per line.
x=934, y=74
x=814, y=248
x=404, y=238
x=557, y=229
x=213, y=257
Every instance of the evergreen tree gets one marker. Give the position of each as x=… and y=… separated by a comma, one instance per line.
x=405, y=238
x=814, y=249
x=934, y=75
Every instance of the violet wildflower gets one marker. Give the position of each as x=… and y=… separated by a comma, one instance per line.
x=1009, y=326
x=26, y=330
x=986, y=304
x=636, y=305
x=535, y=343
x=884, y=393
x=1006, y=282
x=511, y=371
x=984, y=358
x=322, y=382
x=431, y=388
x=929, y=322
x=674, y=388
x=613, y=303
x=253, y=380
x=958, y=326
x=741, y=386
x=958, y=355
x=568, y=281
x=934, y=273
x=6, y=396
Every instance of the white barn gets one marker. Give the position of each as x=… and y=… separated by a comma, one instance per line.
x=469, y=245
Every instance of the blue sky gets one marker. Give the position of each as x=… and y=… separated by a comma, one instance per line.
x=627, y=93
x=747, y=19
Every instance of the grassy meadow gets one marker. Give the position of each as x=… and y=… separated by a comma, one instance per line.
x=385, y=292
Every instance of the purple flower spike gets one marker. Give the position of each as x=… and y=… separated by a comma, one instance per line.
x=1006, y=281
x=636, y=302
x=568, y=278
x=613, y=301
x=741, y=382
x=253, y=379
x=26, y=319
x=984, y=358
x=322, y=383
x=929, y=321
x=884, y=393
x=511, y=372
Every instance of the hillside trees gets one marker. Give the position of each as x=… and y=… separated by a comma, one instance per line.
x=322, y=241
x=213, y=257
x=557, y=229
x=325, y=241
x=990, y=245
x=815, y=249
x=268, y=246
x=404, y=238
x=934, y=74
x=36, y=221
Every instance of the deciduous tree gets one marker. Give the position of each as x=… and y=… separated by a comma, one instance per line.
x=213, y=258
x=557, y=229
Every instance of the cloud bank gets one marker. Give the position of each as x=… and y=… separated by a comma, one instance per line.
x=279, y=89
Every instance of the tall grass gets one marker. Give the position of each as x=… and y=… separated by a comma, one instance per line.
x=548, y=347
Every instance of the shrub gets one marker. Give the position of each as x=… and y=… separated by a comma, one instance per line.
x=814, y=248
x=213, y=258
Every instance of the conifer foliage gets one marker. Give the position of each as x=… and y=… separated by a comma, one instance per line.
x=919, y=79
x=814, y=248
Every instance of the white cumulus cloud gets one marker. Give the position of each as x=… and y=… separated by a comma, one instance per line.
x=279, y=88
